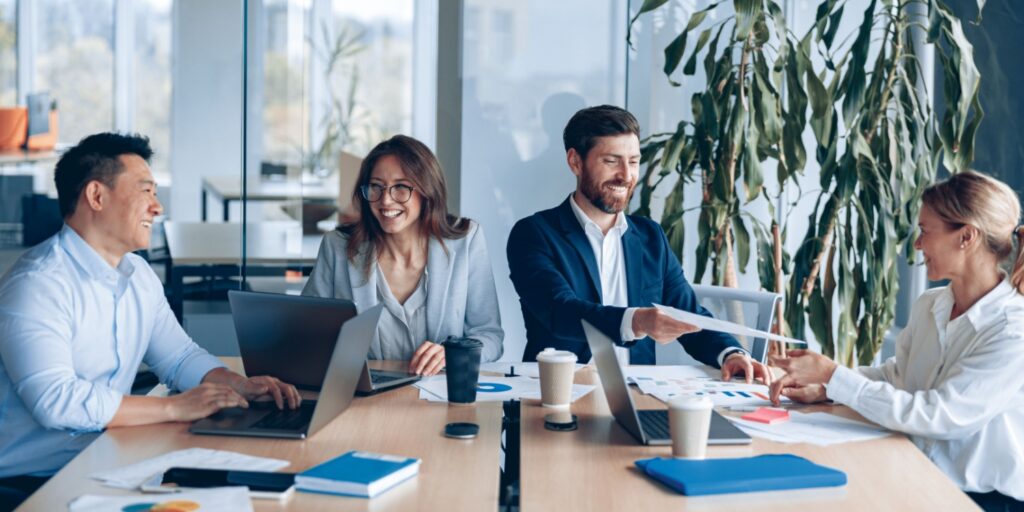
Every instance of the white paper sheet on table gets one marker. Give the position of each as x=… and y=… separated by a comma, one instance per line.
x=666, y=382
x=524, y=369
x=493, y=389
x=200, y=500
x=715, y=324
x=817, y=428
x=134, y=475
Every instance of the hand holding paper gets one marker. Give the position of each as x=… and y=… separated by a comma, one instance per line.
x=714, y=324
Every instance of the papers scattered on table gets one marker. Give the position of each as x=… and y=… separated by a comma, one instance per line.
x=493, y=389
x=200, y=500
x=715, y=324
x=524, y=369
x=134, y=475
x=817, y=428
x=667, y=382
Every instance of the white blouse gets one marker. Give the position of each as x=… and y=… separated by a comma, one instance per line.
x=956, y=387
x=402, y=328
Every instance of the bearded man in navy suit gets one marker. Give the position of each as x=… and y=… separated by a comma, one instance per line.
x=586, y=260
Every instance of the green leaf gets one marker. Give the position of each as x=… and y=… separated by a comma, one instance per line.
x=747, y=13
x=648, y=6
x=820, y=99
x=742, y=241
x=691, y=64
x=674, y=53
x=855, y=76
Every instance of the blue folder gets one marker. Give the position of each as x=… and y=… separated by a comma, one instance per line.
x=748, y=474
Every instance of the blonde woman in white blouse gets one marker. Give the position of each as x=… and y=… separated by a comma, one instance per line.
x=956, y=383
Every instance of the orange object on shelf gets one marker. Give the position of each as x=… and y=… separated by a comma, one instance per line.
x=44, y=141
x=13, y=127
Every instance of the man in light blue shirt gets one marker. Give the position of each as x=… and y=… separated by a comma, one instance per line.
x=79, y=312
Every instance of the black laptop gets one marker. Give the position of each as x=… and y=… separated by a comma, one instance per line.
x=291, y=337
x=345, y=365
x=648, y=426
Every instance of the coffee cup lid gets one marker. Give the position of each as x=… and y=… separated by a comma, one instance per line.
x=462, y=342
x=551, y=355
x=690, y=402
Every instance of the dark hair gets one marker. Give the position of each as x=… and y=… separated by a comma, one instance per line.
x=602, y=121
x=424, y=171
x=94, y=158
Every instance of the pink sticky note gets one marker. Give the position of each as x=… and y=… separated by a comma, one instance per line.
x=769, y=415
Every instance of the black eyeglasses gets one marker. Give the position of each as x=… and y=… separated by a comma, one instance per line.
x=373, y=192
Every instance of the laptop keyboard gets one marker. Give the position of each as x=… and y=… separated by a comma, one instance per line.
x=287, y=419
x=383, y=378
x=654, y=423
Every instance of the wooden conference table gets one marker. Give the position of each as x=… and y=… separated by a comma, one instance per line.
x=460, y=474
x=227, y=189
x=589, y=469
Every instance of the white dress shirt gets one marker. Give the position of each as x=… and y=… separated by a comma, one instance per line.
x=73, y=331
x=611, y=264
x=955, y=386
x=402, y=327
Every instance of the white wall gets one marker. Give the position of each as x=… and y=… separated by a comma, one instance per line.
x=206, y=102
x=529, y=66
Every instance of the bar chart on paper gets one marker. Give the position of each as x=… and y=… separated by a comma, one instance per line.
x=666, y=382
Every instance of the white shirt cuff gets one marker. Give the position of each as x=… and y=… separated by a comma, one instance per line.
x=721, y=355
x=844, y=385
x=626, y=329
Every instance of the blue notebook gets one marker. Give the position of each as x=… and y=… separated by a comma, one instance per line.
x=356, y=473
x=748, y=474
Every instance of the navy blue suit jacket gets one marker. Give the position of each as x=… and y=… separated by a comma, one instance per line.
x=554, y=270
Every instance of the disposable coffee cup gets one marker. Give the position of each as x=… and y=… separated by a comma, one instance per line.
x=462, y=368
x=689, y=419
x=556, y=370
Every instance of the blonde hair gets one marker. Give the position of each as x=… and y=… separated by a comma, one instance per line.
x=990, y=206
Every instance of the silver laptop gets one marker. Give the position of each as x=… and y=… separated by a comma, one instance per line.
x=649, y=426
x=264, y=419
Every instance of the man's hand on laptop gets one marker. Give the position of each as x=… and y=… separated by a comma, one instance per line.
x=203, y=400
x=284, y=394
x=659, y=326
x=428, y=359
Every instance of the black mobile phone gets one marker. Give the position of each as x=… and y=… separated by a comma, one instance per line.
x=257, y=481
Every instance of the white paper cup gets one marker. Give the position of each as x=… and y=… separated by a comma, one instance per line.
x=689, y=419
x=556, y=371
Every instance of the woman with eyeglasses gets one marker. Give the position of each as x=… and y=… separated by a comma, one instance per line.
x=429, y=269
x=956, y=383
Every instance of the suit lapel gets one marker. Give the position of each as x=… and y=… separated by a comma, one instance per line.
x=632, y=251
x=439, y=272
x=578, y=240
x=364, y=291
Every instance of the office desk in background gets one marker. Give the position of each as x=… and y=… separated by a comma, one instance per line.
x=214, y=250
x=227, y=189
x=455, y=475
x=592, y=468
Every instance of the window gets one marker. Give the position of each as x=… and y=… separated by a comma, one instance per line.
x=152, y=54
x=75, y=63
x=8, y=54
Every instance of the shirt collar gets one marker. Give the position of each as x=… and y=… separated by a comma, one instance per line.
x=589, y=225
x=92, y=263
x=980, y=315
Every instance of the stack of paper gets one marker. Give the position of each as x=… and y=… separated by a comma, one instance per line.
x=524, y=369
x=817, y=428
x=667, y=382
x=493, y=389
x=219, y=498
x=134, y=475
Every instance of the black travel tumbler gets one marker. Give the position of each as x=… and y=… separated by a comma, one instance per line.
x=462, y=365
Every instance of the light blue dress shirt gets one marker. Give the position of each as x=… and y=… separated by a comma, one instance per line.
x=73, y=331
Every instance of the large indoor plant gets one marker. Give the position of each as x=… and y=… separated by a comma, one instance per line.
x=878, y=144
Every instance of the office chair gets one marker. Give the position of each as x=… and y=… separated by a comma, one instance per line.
x=754, y=309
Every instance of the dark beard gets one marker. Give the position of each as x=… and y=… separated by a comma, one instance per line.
x=602, y=200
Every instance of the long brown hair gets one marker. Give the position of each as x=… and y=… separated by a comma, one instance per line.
x=424, y=171
x=992, y=207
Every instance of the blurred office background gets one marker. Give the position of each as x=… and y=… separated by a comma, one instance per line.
x=260, y=111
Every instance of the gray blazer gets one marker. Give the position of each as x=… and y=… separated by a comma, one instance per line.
x=461, y=297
